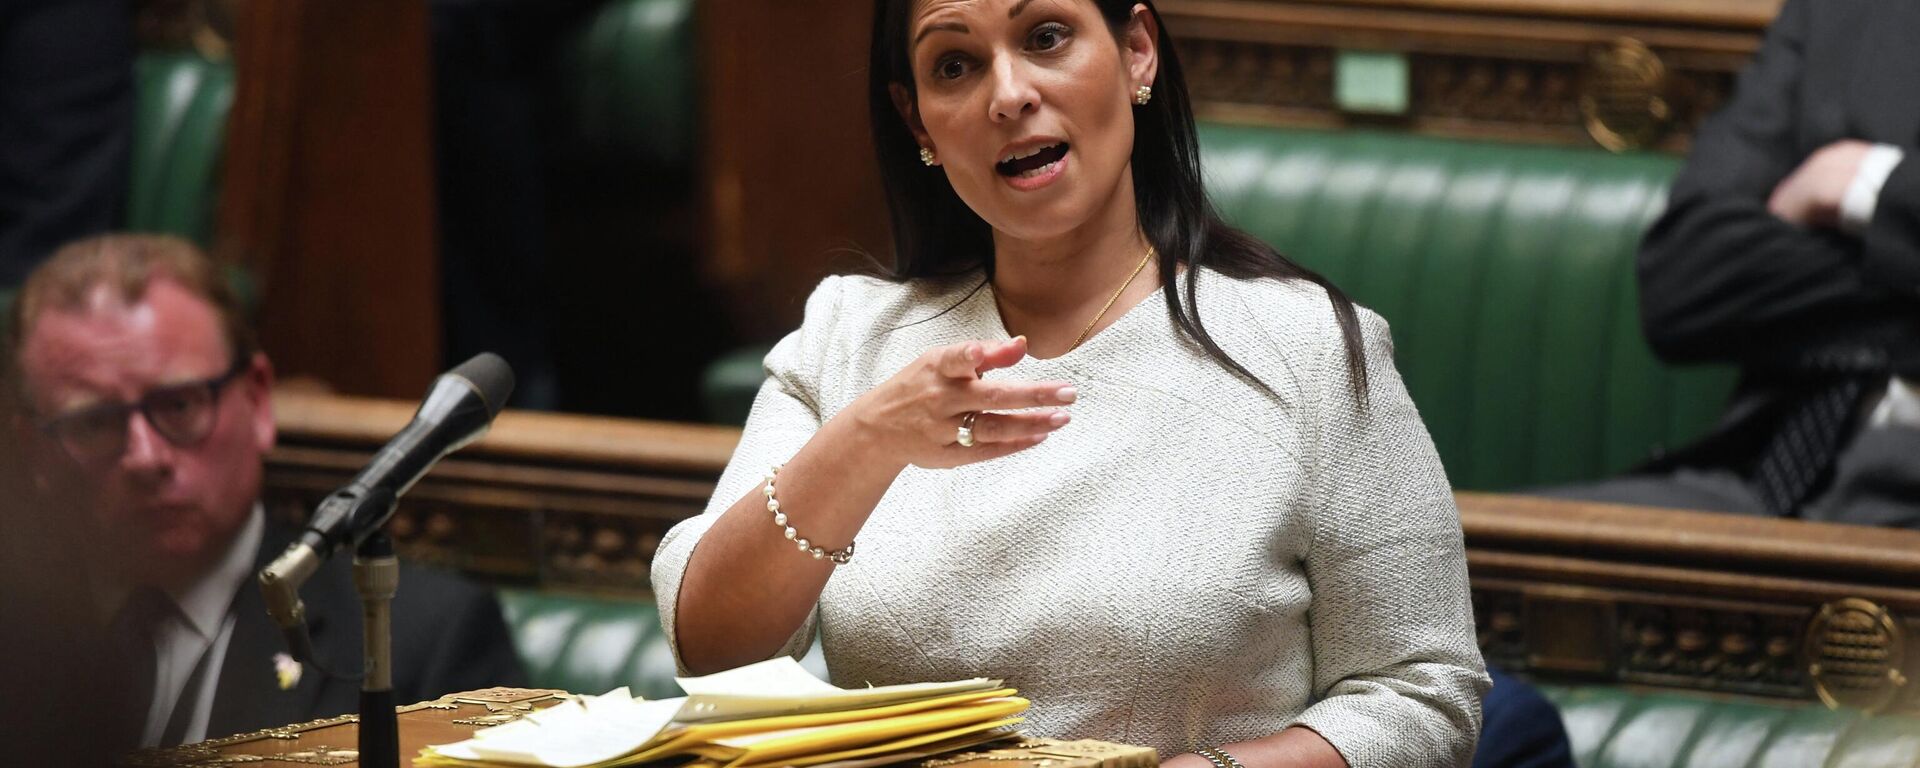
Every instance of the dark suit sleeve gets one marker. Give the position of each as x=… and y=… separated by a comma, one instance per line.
x=452, y=637
x=66, y=125
x=1721, y=278
x=1893, y=239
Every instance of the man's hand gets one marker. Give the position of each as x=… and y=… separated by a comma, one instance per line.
x=1810, y=196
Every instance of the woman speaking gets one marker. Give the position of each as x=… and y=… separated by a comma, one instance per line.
x=1208, y=521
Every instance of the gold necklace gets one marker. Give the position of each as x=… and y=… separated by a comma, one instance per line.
x=1111, y=299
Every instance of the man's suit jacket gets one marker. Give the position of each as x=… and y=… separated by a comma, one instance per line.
x=1722, y=280
x=66, y=125
x=448, y=635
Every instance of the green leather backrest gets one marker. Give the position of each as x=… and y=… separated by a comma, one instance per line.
x=590, y=644
x=630, y=79
x=180, y=120
x=179, y=131
x=1615, y=727
x=1507, y=274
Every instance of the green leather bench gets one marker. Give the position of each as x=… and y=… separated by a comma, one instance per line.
x=1507, y=274
x=1617, y=727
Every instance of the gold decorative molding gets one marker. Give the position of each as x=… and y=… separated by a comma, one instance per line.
x=1855, y=650
x=1620, y=75
x=1624, y=102
x=207, y=753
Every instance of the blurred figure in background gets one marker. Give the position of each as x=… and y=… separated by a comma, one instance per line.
x=493, y=66
x=146, y=410
x=1791, y=248
x=66, y=124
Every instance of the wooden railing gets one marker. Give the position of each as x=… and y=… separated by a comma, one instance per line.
x=1780, y=608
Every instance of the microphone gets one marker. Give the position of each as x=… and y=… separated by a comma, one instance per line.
x=457, y=410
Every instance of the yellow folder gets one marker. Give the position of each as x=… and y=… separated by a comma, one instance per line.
x=684, y=739
x=789, y=746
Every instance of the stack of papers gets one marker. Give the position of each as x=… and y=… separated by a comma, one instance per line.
x=766, y=714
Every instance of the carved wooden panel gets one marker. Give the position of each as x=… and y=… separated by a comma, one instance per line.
x=1622, y=75
x=1737, y=605
x=545, y=499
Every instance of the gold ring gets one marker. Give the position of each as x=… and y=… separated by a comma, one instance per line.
x=965, y=436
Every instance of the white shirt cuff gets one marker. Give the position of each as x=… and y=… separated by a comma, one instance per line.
x=1863, y=193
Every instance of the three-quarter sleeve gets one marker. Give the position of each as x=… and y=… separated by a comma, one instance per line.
x=786, y=413
x=1396, y=666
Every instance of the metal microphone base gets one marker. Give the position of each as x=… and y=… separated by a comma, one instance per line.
x=376, y=575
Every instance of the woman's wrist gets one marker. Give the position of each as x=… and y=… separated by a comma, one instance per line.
x=855, y=438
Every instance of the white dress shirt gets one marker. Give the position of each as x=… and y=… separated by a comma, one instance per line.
x=202, y=624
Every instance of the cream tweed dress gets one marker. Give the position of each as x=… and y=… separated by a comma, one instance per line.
x=1191, y=562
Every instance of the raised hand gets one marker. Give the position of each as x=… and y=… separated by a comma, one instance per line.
x=914, y=417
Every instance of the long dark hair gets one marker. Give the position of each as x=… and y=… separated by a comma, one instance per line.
x=935, y=234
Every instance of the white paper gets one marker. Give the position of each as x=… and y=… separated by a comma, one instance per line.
x=780, y=686
x=577, y=732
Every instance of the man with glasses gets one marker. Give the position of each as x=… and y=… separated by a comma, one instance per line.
x=146, y=409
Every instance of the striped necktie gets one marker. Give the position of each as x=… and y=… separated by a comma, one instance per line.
x=1801, y=452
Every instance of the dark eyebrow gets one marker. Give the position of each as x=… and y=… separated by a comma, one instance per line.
x=945, y=26
x=1018, y=8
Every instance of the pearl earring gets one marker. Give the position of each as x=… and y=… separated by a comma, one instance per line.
x=926, y=157
x=1142, y=95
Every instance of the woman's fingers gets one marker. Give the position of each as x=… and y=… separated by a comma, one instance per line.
x=991, y=428
x=957, y=455
x=960, y=361
x=1002, y=354
x=968, y=360
x=1009, y=395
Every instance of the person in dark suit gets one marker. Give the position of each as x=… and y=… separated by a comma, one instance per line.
x=66, y=124
x=1791, y=247
x=1522, y=728
x=146, y=412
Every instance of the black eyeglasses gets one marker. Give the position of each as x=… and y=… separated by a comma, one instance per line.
x=183, y=414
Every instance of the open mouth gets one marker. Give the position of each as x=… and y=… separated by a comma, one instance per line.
x=1032, y=163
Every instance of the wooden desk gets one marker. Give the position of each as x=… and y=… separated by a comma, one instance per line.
x=455, y=716
x=332, y=741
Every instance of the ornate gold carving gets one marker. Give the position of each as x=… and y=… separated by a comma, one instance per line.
x=1492, y=90
x=1496, y=619
x=1622, y=96
x=498, y=695
x=1299, y=77
x=1854, y=652
x=602, y=550
x=319, y=755
x=497, y=714
x=1044, y=753
x=1625, y=101
x=203, y=752
x=1710, y=649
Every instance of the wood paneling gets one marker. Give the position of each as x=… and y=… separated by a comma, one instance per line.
x=328, y=192
x=1630, y=594
x=790, y=182
x=1621, y=74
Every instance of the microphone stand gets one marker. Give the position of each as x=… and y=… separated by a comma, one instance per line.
x=376, y=575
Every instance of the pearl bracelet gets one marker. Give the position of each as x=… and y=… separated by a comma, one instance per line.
x=839, y=557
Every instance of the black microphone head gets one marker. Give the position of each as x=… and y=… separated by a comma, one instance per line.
x=491, y=377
